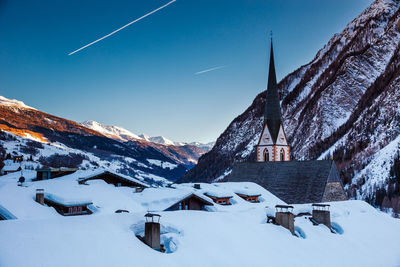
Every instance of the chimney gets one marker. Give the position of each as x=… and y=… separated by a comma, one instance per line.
x=284, y=217
x=197, y=186
x=152, y=230
x=40, y=196
x=321, y=214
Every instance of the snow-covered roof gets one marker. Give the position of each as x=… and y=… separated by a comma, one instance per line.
x=98, y=172
x=159, y=199
x=247, y=192
x=5, y=214
x=205, y=200
x=218, y=194
x=11, y=167
x=66, y=201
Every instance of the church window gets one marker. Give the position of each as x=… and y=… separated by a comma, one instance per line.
x=266, y=155
x=282, y=154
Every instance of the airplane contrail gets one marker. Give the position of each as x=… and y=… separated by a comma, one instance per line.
x=117, y=30
x=207, y=70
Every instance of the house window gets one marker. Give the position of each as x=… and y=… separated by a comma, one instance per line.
x=282, y=154
x=266, y=155
x=69, y=210
x=180, y=205
x=79, y=209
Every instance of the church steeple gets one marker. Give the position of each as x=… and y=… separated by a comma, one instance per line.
x=272, y=113
x=272, y=145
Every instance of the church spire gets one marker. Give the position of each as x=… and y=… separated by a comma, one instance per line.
x=272, y=145
x=272, y=113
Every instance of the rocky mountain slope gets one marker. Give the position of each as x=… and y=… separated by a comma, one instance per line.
x=344, y=103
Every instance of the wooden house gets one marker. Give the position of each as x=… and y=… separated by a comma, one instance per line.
x=115, y=178
x=218, y=198
x=11, y=168
x=248, y=196
x=68, y=207
x=18, y=159
x=190, y=202
x=50, y=173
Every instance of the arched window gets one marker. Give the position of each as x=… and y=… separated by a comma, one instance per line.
x=282, y=154
x=266, y=155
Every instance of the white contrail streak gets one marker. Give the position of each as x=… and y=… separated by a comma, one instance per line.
x=207, y=70
x=117, y=30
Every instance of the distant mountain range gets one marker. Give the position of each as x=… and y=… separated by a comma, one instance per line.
x=344, y=104
x=120, y=133
x=57, y=142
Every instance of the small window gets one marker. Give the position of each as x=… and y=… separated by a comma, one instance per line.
x=69, y=210
x=282, y=154
x=180, y=206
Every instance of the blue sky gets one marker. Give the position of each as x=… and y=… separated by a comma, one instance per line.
x=144, y=78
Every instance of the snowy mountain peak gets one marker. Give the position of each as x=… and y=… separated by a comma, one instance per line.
x=145, y=137
x=161, y=140
x=13, y=102
x=111, y=131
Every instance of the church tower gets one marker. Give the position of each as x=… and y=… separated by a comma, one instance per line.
x=273, y=145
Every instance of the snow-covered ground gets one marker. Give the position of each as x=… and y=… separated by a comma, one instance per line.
x=235, y=235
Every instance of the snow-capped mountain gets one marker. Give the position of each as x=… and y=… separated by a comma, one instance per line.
x=344, y=103
x=159, y=140
x=13, y=103
x=111, y=131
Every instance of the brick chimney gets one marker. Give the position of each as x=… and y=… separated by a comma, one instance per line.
x=321, y=214
x=284, y=216
x=152, y=230
x=40, y=196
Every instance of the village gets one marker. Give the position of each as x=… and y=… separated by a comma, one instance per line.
x=273, y=206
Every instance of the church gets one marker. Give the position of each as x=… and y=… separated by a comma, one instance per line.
x=295, y=182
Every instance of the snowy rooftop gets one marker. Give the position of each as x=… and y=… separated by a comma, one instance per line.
x=70, y=201
x=233, y=235
x=93, y=173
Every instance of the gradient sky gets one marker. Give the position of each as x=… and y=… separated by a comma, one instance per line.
x=144, y=78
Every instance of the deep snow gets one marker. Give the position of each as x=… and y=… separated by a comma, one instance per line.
x=235, y=235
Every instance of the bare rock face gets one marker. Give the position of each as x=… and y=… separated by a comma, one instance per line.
x=343, y=104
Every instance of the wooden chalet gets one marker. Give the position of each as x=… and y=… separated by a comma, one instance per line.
x=116, y=179
x=190, y=202
x=50, y=173
x=68, y=207
x=18, y=159
x=250, y=197
x=11, y=168
x=218, y=198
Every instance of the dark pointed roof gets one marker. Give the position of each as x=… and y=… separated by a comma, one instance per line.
x=295, y=182
x=272, y=113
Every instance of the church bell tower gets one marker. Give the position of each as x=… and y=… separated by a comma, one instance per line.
x=273, y=145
